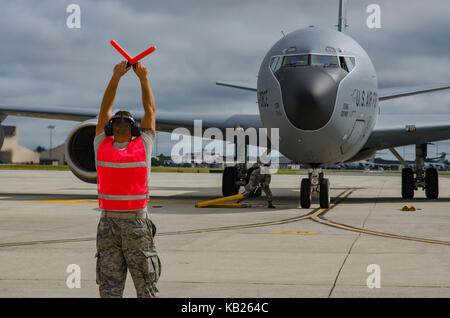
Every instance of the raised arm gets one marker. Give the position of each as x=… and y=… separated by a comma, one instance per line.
x=148, y=100
x=109, y=96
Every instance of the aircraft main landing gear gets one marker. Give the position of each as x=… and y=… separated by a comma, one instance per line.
x=233, y=178
x=229, y=178
x=315, y=183
x=413, y=179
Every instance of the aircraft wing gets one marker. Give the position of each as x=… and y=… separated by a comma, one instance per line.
x=246, y=87
x=402, y=136
x=391, y=93
x=384, y=94
x=400, y=130
x=63, y=113
x=164, y=121
x=169, y=121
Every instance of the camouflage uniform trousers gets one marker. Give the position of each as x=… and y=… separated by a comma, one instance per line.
x=256, y=179
x=126, y=244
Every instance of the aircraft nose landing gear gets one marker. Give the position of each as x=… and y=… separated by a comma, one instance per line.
x=315, y=183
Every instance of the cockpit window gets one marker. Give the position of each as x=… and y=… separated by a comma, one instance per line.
x=295, y=60
x=275, y=63
x=324, y=60
x=304, y=60
x=350, y=61
x=343, y=63
x=347, y=63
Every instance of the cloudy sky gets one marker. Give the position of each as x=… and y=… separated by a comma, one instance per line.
x=44, y=63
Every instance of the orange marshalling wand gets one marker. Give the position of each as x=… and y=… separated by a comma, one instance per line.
x=132, y=60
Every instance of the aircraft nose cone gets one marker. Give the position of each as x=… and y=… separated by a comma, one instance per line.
x=309, y=95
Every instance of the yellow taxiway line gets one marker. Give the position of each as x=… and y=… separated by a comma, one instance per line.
x=316, y=217
x=292, y=232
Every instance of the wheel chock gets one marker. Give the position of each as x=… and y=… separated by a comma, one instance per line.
x=218, y=200
x=409, y=208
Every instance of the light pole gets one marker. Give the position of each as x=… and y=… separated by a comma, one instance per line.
x=156, y=139
x=51, y=127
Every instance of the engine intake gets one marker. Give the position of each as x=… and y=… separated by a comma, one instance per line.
x=80, y=153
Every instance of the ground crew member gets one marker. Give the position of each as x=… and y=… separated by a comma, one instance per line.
x=125, y=233
x=259, y=179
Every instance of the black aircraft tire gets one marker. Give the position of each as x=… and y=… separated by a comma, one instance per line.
x=407, y=183
x=305, y=194
x=431, y=183
x=324, y=196
x=229, y=186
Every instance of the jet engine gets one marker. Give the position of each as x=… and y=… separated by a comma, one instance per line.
x=79, y=151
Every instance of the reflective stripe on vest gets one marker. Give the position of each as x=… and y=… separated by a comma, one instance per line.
x=122, y=197
x=122, y=164
x=122, y=176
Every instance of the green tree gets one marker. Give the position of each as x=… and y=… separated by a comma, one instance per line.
x=40, y=149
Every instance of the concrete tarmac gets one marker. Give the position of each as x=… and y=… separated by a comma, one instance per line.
x=48, y=220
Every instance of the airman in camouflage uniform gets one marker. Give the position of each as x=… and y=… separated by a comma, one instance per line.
x=258, y=179
x=125, y=238
x=122, y=244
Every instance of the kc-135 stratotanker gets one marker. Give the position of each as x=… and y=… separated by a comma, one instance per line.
x=319, y=87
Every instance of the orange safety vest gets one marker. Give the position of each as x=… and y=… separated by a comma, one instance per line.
x=122, y=176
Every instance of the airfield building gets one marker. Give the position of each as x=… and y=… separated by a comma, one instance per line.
x=12, y=152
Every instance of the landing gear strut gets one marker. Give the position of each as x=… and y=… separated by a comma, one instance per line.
x=239, y=175
x=413, y=179
x=315, y=183
x=235, y=176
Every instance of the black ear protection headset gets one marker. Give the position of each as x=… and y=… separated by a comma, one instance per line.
x=135, y=131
